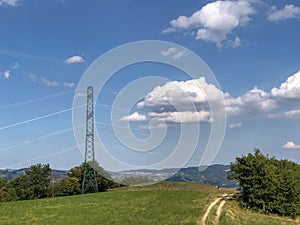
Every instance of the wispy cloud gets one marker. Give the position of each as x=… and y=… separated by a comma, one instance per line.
x=287, y=12
x=134, y=117
x=6, y=74
x=23, y=55
x=49, y=83
x=12, y=3
x=32, y=77
x=235, y=125
x=68, y=85
x=74, y=59
x=35, y=78
x=173, y=52
x=290, y=114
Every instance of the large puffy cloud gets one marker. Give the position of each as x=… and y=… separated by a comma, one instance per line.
x=287, y=12
x=182, y=101
x=215, y=21
x=187, y=101
x=253, y=102
x=180, y=94
x=288, y=89
x=256, y=101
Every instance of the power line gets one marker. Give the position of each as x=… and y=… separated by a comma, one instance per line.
x=39, y=118
x=34, y=100
x=43, y=157
x=37, y=139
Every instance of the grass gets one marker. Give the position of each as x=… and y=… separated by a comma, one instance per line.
x=165, y=203
x=232, y=214
x=162, y=203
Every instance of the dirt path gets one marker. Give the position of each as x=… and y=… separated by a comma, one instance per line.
x=223, y=199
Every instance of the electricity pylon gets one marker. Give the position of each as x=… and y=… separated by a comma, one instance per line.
x=89, y=175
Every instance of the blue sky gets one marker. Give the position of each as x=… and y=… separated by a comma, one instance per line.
x=251, y=46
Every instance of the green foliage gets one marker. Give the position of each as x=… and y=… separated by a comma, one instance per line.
x=104, y=179
x=7, y=192
x=34, y=184
x=66, y=187
x=268, y=184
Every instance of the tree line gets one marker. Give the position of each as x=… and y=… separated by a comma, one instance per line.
x=37, y=184
x=268, y=184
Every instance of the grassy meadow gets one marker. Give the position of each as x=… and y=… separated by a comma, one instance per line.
x=163, y=203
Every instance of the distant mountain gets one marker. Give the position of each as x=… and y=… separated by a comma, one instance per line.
x=214, y=175
x=13, y=174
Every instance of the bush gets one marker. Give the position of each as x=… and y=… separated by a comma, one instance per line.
x=268, y=184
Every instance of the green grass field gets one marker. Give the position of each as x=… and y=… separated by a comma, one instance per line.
x=164, y=203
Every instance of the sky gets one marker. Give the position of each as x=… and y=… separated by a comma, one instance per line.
x=251, y=47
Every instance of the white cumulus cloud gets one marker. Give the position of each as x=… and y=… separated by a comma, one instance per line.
x=187, y=101
x=74, y=59
x=181, y=101
x=181, y=93
x=253, y=102
x=289, y=11
x=291, y=145
x=134, y=117
x=288, y=89
x=215, y=21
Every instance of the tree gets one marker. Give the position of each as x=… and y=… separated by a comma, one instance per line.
x=34, y=184
x=268, y=184
x=104, y=179
x=7, y=192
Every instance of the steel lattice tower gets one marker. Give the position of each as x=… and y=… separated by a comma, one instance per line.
x=89, y=176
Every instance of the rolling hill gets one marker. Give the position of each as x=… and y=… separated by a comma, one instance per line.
x=162, y=203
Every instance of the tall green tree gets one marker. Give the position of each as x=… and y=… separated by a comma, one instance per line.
x=34, y=184
x=267, y=183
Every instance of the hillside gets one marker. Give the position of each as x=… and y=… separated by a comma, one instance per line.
x=162, y=203
x=213, y=175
